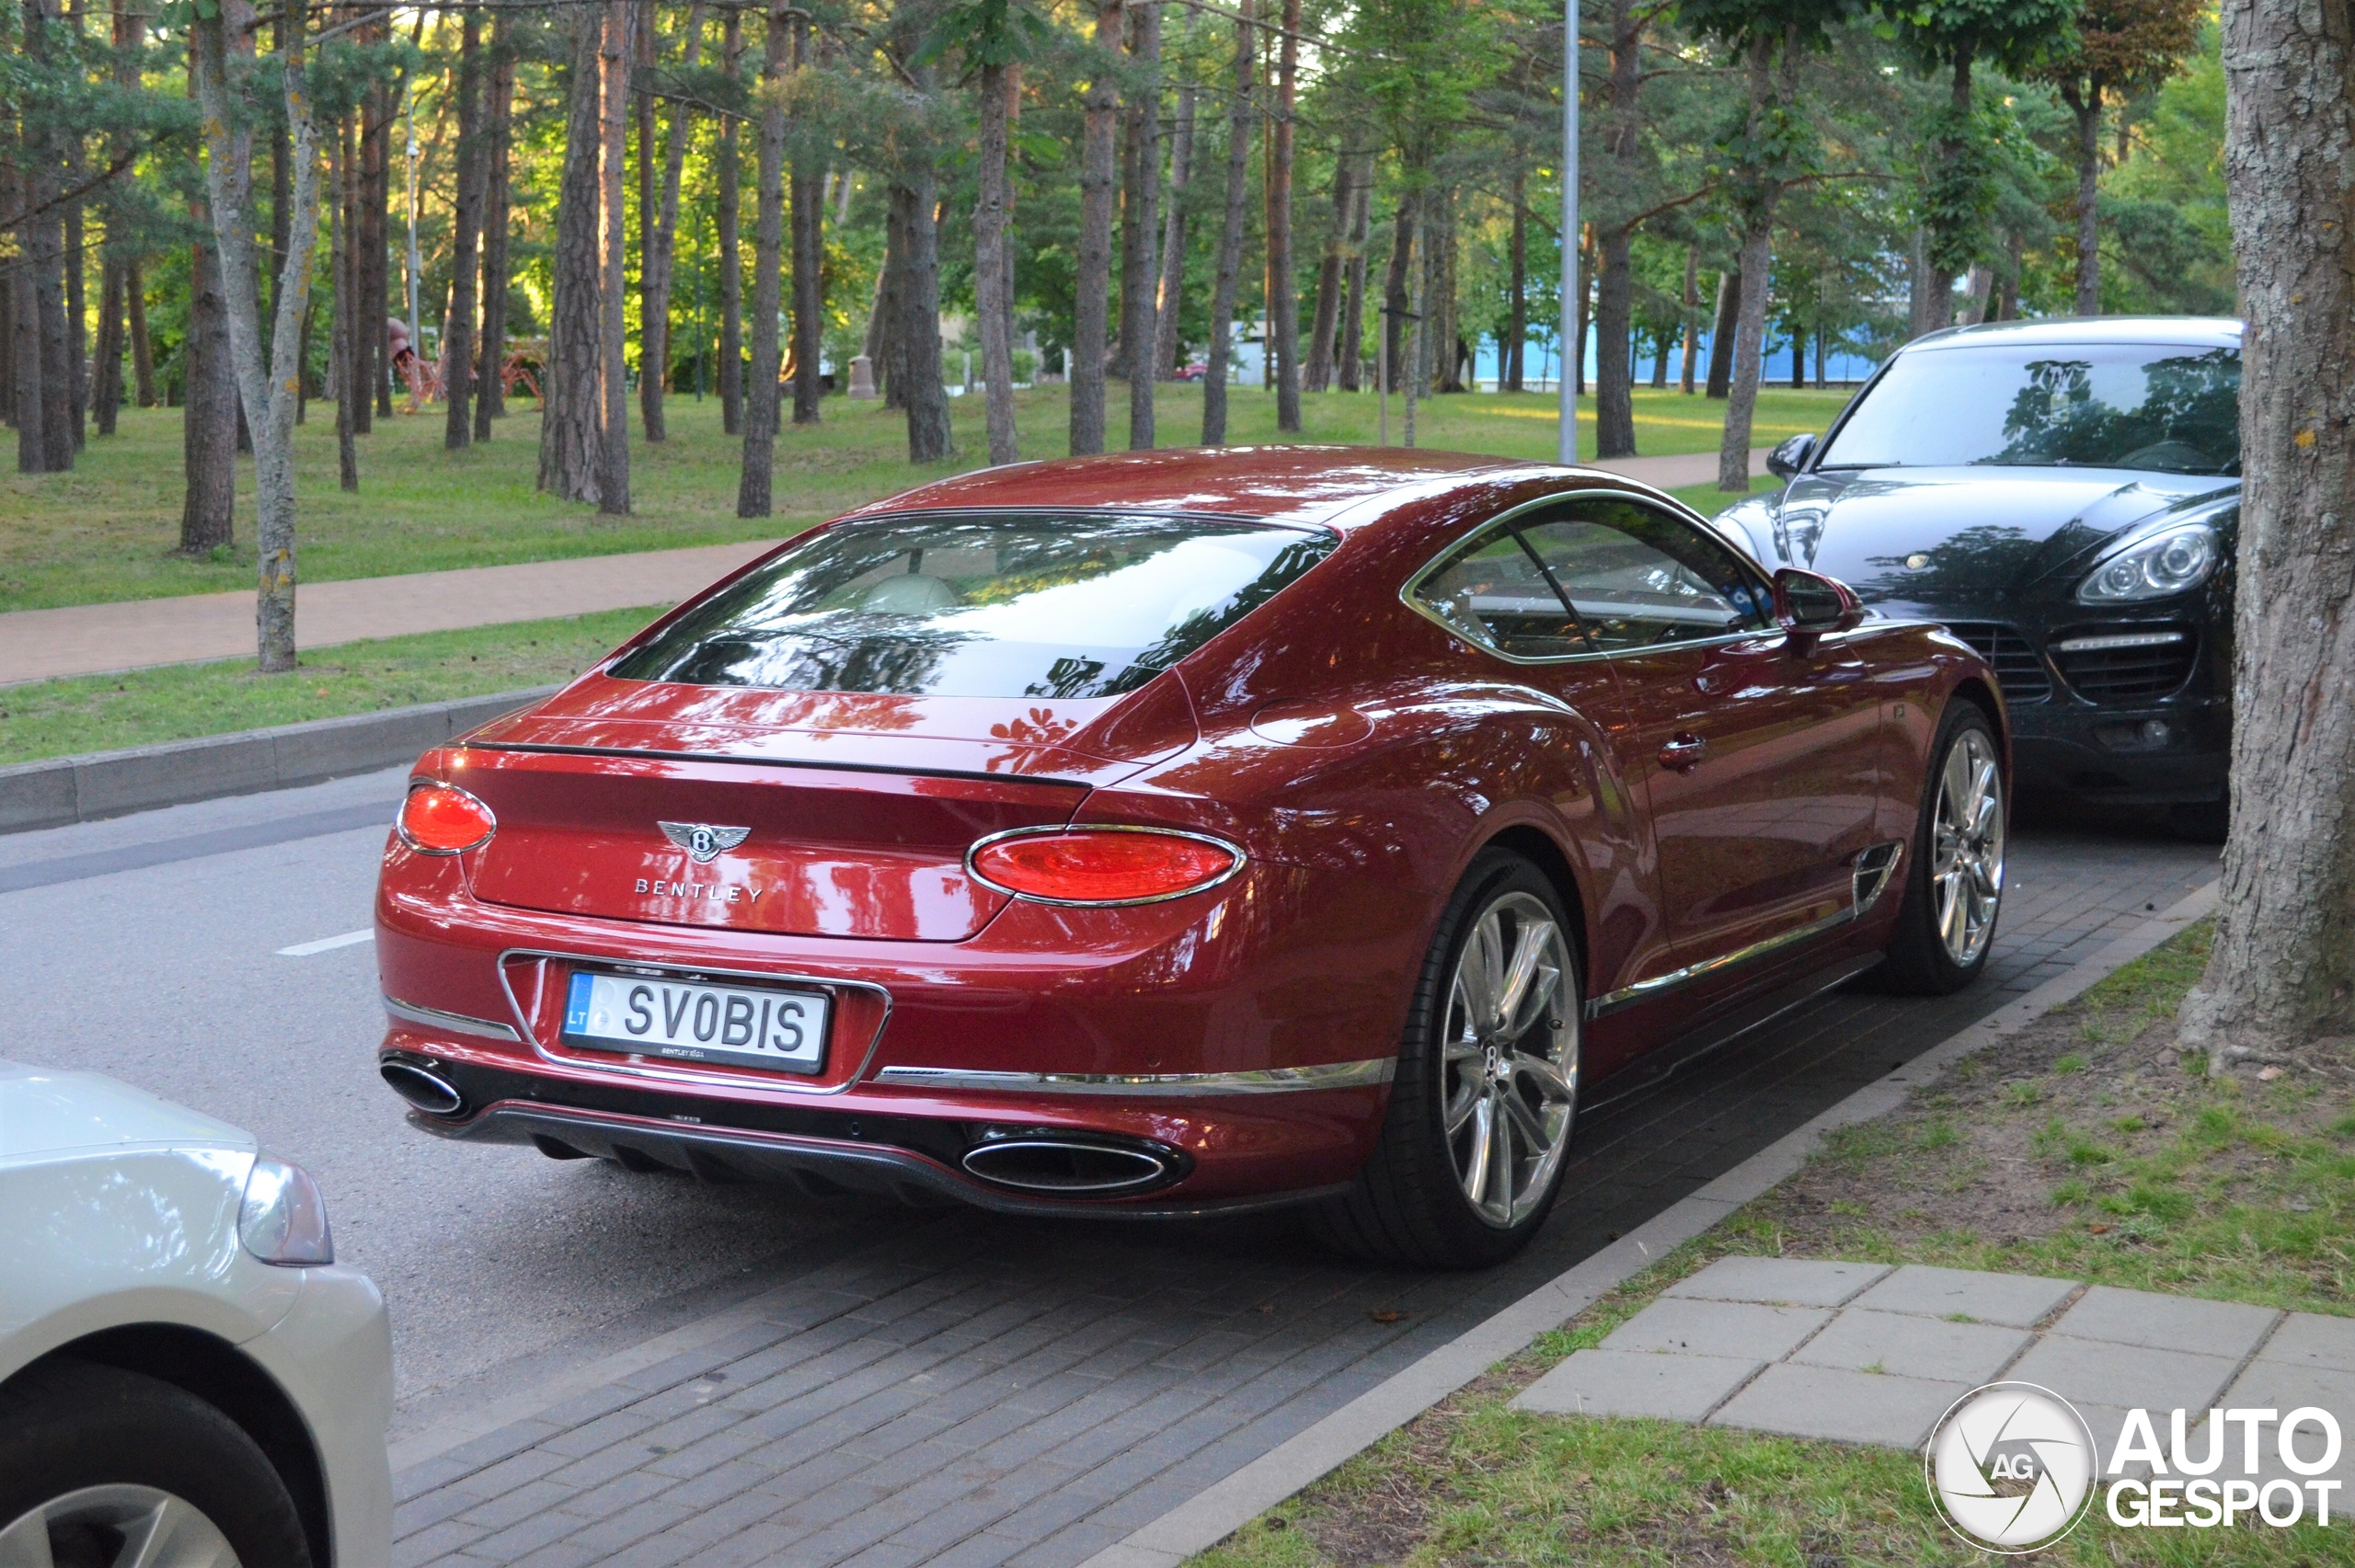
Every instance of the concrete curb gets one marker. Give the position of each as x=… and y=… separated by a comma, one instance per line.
x=63, y=790
x=1209, y=1517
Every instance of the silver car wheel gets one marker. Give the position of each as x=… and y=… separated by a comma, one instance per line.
x=133, y=1527
x=1967, y=847
x=1509, y=1064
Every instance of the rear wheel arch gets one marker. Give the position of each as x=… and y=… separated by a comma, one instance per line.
x=212, y=1369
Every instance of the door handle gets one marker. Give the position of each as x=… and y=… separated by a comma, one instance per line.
x=1683, y=752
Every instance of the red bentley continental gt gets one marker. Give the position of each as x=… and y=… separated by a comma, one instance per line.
x=1183, y=832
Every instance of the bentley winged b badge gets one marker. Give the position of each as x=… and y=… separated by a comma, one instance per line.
x=704, y=842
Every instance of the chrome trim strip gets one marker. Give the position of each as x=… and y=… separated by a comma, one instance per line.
x=698, y=1078
x=1406, y=591
x=2121, y=640
x=456, y=1023
x=1263, y=1081
x=1644, y=990
x=1054, y=829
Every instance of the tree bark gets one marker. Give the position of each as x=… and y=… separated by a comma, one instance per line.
x=208, y=408
x=1230, y=244
x=1348, y=340
x=2086, y=106
x=614, y=54
x=732, y=245
x=1510, y=371
x=571, y=447
x=808, y=261
x=1169, y=295
x=917, y=293
x=491, y=380
x=1615, y=409
x=143, y=348
x=1691, y=317
x=106, y=385
x=41, y=271
x=1092, y=280
x=1283, y=315
x=657, y=262
x=752, y=498
x=1749, y=345
x=368, y=239
x=1944, y=268
x=1325, y=319
x=76, y=321
x=1721, y=333
x=270, y=384
x=473, y=165
x=2282, y=970
x=29, y=405
x=1141, y=228
x=882, y=343
x=1396, y=307
x=341, y=322
x=992, y=272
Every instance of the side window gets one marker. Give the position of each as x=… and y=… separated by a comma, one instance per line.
x=1640, y=577
x=1490, y=592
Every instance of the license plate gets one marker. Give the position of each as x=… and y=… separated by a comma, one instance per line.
x=783, y=1031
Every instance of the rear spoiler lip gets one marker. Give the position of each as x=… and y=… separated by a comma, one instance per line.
x=551, y=748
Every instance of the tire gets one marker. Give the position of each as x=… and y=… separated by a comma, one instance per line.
x=1921, y=959
x=96, y=1458
x=1412, y=1203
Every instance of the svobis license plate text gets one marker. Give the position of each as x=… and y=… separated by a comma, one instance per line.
x=696, y=1021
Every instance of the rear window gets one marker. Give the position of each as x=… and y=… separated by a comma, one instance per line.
x=1033, y=605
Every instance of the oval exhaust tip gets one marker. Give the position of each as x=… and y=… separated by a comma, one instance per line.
x=1065, y=1168
x=420, y=1088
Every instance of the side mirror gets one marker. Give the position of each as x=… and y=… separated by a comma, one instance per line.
x=1808, y=604
x=1791, y=456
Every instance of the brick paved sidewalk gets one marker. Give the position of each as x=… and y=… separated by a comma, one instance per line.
x=1864, y=1353
x=90, y=639
x=986, y=1390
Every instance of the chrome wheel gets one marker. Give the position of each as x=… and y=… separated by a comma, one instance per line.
x=1967, y=847
x=1509, y=1063
x=121, y=1527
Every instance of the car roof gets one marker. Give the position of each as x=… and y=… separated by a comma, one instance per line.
x=2200, y=331
x=1283, y=484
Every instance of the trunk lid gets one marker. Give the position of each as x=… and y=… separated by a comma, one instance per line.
x=807, y=814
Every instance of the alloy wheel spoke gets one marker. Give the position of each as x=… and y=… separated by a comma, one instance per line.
x=1461, y=1105
x=1532, y=1129
x=25, y=1543
x=1552, y=1082
x=1501, y=1159
x=1529, y=954
x=1476, y=1172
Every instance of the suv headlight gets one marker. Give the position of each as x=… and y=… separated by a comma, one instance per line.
x=2165, y=563
x=284, y=1219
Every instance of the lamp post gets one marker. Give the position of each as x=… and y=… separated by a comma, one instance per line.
x=1565, y=382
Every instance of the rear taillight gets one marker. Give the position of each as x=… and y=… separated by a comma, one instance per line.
x=1101, y=865
x=439, y=819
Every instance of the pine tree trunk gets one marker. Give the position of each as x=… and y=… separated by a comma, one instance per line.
x=473, y=162
x=1283, y=315
x=208, y=407
x=1170, y=292
x=1446, y=344
x=992, y=271
x=29, y=405
x=2087, y=108
x=1396, y=305
x=1946, y=253
x=2282, y=970
x=76, y=326
x=1230, y=243
x=1348, y=340
x=731, y=245
x=881, y=343
x=571, y=426
x=490, y=379
x=1721, y=333
x=1092, y=280
x=143, y=348
x=917, y=340
x=752, y=498
x=659, y=263
x=1749, y=346
x=1692, y=318
x=368, y=234
x=106, y=385
x=340, y=323
x=1141, y=228
x=612, y=365
x=1325, y=319
x=809, y=218
x=1615, y=409
x=1509, y=373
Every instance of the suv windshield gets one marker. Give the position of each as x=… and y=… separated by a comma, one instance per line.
x=1031, y=605
x=2152, y=406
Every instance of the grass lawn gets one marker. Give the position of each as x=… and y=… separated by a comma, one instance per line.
x=101, y=712
x=108, y=530
x=2085, y=1146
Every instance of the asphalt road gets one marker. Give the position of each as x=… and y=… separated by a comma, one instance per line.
x=150, y=949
